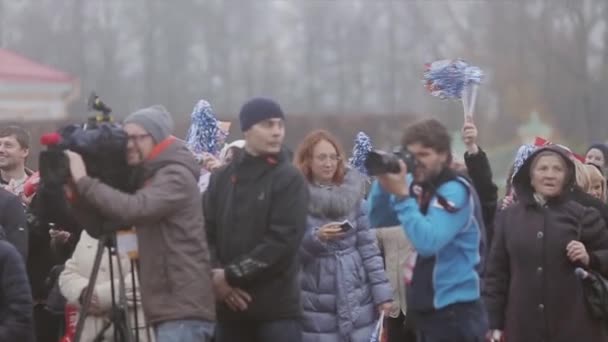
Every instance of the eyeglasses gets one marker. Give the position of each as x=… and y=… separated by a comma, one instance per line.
x=324, y=157
x=137, y=137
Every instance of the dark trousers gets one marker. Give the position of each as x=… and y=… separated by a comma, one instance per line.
x=47, y=326
x=398, y=331
x=462, y=322
x=262, y=331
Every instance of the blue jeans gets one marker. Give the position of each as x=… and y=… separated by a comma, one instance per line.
x=184, y=331
x=286, y=330
x=462, y=322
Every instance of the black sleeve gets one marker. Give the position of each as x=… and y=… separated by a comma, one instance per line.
x=88, y=218
x=17, y=320
x=480, y=171
x=497, y=278
x=282, y=239
x=602, y=208
x=210, y=214
x=15, y=225
x=594, y=236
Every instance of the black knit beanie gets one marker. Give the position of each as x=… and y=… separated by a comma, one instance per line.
x=257, y=110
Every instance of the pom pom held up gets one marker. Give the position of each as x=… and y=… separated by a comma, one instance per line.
x=448, y=78
x=204, y=134
x=363, y=145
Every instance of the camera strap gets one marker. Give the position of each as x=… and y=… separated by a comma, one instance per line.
x=429, y=191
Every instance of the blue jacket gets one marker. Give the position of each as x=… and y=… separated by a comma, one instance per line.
x=448, y=243
x=379, y=208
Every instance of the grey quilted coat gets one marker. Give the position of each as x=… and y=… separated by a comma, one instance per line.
x=343, y=281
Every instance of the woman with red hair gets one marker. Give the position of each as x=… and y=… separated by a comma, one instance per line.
x=344, y=287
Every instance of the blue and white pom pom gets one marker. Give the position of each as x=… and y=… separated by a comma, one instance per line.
x=447, y=78
x=523, y=153
x=363, y=145
x=204, y=134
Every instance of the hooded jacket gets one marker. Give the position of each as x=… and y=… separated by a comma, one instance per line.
x=166, y=212
x=531, y=291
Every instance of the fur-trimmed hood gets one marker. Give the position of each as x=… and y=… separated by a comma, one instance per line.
x=337, y=201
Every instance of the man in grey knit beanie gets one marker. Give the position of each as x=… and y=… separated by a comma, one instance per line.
x=156, y=120
x=166, y=211
x=146, y=128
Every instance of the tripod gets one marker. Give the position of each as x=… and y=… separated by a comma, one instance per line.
x=119, y=318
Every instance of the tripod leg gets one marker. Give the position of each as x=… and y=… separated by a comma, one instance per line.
x=100, y=335
x=112, y=290
x=135, y=301
x=123, y=304
x=90, y=289
x=148, y=328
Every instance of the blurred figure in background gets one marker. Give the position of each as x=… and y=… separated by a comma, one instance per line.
x=597, y=182
x=581, y=189
x=13, y=221
x=14, y=150
x=74, y=280
x=230, y=151
x=597, y=154
x=16, y=316
x=211, y=163
x=396, y=250
x=583, y=182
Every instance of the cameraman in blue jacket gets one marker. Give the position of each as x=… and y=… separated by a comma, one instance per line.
x=441, y=215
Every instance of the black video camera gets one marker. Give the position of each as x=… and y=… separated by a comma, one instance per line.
x=102, y=145
x=380, y=162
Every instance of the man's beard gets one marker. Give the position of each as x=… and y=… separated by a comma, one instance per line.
x=428, y=175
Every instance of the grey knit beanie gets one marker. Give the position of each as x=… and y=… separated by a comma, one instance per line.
x=156, y=120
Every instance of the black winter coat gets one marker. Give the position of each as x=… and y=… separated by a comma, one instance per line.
x=480, y=172
x=16, y=308
x=12, y=219
x=531, y=290
x=255, y=216
x=586, y=200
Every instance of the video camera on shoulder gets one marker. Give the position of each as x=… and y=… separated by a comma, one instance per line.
x=381, y=162
x=102, y=145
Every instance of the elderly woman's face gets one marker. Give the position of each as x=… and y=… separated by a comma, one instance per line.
x=548, y=175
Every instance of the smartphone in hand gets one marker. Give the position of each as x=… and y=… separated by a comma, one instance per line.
x=346, y=226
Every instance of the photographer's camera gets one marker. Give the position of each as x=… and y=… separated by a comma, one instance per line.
x=380, y=162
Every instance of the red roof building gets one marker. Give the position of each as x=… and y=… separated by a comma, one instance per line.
x=30, y=91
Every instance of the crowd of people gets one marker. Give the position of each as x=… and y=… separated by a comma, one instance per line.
x=261, y=244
